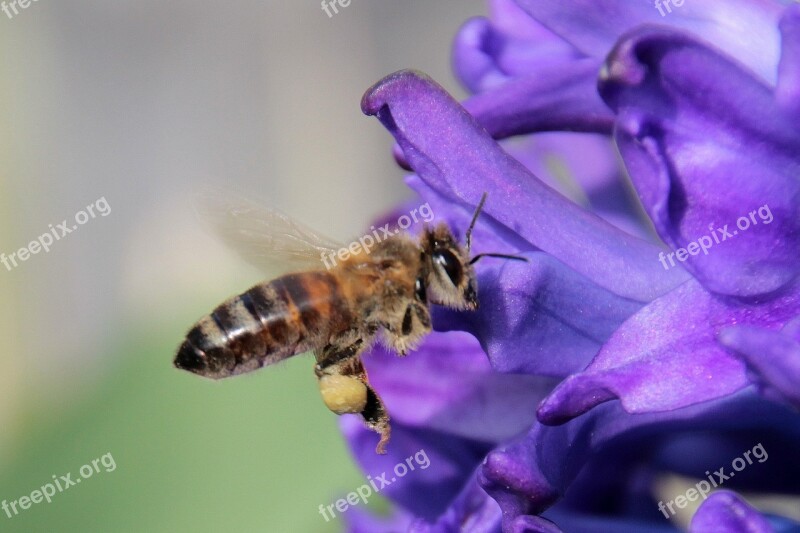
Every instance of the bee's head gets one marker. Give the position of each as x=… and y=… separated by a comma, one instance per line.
x=450, y=276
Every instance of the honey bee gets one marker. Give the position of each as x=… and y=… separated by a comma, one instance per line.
x=383, y=292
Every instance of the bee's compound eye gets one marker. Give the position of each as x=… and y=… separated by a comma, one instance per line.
x=343, y=394
x=451, y=265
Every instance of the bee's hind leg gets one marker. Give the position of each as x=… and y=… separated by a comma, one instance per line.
x=345, y=389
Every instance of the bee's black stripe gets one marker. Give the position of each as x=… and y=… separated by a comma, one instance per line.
x=296, y=288
x=340, y=314
x=247, y=300
x=224, y=321
x=264, y=307
x=200, y=340
x=269, y=307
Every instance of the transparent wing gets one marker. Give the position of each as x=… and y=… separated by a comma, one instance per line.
x=266, y=238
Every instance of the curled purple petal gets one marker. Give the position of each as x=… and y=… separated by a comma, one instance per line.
x=714, y=159
x=726, y=511
x=667, y=355
x=456, y=157
x=526, y=78
x=489, y=52
x=472, y=61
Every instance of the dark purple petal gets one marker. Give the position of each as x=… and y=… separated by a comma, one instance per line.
x=745, y=29
x=703, y=138
x=726, y=511
x=451, y=461
x=473, y=511
x=460, y=160
x=529, y=476
x=773, y=356
x=667, y=355
x=714, y=159
x=443, y=399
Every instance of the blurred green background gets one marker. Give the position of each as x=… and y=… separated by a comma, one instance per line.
x=143, y=103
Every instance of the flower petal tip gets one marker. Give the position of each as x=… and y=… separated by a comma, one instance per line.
x=573, y=397
x=401, y=81
x=726, y=511
x=622, y=67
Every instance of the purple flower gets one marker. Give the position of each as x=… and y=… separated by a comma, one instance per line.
x=646, y=358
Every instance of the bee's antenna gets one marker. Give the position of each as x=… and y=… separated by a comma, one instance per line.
x=501, y=256
x=469, y=237
x=475, y=219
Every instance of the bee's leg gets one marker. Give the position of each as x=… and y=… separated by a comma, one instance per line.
x=374, y=412
x=412, y=325
x=345, y=389
x=342, y=392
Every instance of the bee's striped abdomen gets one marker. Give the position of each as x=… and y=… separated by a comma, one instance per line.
x=266, y=324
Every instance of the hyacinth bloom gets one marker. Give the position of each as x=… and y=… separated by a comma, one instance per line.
x=607, y=363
